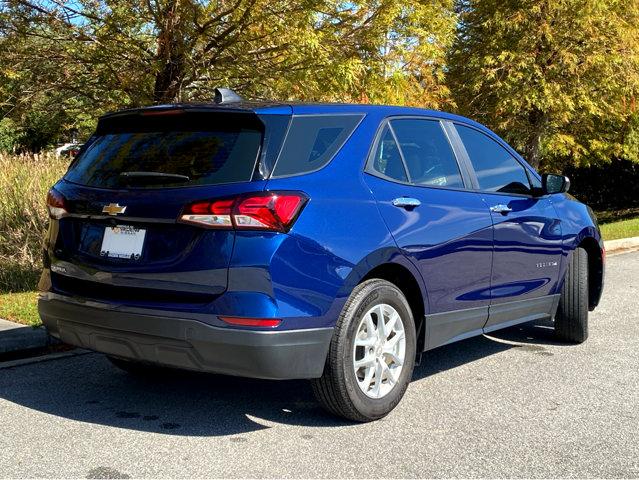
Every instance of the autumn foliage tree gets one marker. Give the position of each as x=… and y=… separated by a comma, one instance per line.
x=557, y=78
x=84, y=57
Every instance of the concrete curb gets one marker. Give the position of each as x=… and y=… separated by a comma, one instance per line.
x=621, y=244
x=15, y=337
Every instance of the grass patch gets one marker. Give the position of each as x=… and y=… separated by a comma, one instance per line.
x=24, y=182
x=610, y=216
x=20, y=307
x=621, y=229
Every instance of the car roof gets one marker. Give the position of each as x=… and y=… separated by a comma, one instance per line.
x=300, y=108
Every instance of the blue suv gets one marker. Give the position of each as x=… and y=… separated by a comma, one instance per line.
x=322, y=241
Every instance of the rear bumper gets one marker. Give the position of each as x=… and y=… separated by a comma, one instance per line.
x=186, y=343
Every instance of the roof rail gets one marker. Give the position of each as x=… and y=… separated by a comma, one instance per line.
x=226, y=95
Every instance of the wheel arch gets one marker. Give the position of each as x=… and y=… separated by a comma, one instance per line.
x=595, y=270
x=402, y=277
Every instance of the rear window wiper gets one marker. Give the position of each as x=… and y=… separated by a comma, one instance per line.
x=155, y=176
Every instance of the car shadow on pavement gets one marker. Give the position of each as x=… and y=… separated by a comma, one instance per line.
x=540, y=333
x=87, y=388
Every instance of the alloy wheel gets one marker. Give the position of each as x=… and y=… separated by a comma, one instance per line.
x=379, y=350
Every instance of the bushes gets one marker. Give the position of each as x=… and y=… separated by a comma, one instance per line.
x=24, y=182
x=614, y=186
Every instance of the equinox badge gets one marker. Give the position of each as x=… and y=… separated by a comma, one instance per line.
x=113, y=209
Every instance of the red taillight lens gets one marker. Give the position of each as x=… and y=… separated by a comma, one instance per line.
x=252, y=322
x=57, y=204
x=215, y=214
x=274, y=211
x=271, y=211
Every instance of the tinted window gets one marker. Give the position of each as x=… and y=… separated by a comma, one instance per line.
x=140, y=153
x=387, y=159
x=275, y=131
x=312, y=141
x=497, y=170
x=427, y=153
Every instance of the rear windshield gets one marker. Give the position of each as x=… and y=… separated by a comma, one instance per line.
x=177, y=151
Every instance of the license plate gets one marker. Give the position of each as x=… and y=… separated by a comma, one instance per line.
x=123, y=241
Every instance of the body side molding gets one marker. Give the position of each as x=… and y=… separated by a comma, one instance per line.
x=448, y=327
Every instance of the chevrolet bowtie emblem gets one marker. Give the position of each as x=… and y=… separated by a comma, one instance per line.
x=113, y=209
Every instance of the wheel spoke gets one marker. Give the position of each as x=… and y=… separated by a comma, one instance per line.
x=390, y=326
x=390, y=345
x=365, y=342
x=390, y=374
x=367, y=360
x=378, y=379
x=370, y=326
x=386, y=372
x=381, y=324
x=368, y=377
x=396, y=360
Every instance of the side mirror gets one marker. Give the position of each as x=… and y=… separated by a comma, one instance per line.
x=551, y=183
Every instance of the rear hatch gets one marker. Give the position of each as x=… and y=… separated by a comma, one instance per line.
x=121, y=240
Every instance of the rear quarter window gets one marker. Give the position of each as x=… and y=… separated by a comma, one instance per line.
x=312, y=141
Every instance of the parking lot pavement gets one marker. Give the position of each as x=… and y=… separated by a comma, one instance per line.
x=513, y=404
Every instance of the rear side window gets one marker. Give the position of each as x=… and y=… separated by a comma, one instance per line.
x=312, y=141
x=387, y=159
x=497, y=170
x=428, y=156
x=172, y=153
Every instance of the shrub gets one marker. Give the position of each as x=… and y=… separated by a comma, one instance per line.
x=614, y=186
x=24, y=182
x=10, y=135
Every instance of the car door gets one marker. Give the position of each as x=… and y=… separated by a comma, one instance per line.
x=441, y=226
x=527, y=232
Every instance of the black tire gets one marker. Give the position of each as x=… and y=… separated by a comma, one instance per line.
x=337, y=390
x=571, y=321
x=139, y=369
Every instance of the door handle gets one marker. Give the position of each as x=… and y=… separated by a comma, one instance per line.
x=406, y=202
x=501, y=208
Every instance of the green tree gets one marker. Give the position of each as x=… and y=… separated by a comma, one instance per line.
x=79, y=58
x=557, y=78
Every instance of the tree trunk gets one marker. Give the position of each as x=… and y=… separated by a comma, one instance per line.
x=532, y=152
x=171, y=54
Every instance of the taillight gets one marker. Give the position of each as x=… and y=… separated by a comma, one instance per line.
x=273, y=211
x=215, y=214
x=56, y=204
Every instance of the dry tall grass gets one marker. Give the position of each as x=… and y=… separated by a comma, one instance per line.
x=24, y=182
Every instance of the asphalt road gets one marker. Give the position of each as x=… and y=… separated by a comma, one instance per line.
x=515, y=404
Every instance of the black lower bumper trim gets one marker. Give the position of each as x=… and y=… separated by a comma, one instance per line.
x=186, y=343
